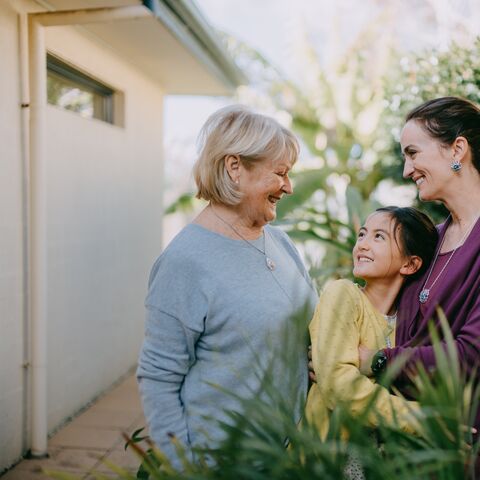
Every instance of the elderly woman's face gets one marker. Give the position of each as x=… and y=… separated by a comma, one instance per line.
x=427, y=162
x=262, y=187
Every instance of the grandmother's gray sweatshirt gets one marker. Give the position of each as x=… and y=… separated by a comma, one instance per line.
x=216, y=317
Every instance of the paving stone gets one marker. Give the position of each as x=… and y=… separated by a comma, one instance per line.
x=105, y=418
x=17, y=474
x=120, y=458
x=121, y=399
x=78, y=448
x=86, y=437
x=64, y=459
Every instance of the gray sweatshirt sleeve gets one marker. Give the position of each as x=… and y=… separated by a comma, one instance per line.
x=167, y=353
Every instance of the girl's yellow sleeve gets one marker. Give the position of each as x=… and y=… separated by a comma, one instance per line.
x=335, y=334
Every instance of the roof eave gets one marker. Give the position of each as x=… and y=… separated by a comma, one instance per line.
x=187, y=24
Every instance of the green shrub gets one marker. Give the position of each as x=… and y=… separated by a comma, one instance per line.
x=254, y=444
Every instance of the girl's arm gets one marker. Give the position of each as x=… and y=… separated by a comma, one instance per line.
x=335, y=332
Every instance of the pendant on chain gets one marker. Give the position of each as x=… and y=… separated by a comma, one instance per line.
x=270, y=263
x=423, y=297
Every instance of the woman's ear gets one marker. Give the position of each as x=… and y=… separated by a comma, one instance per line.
x=232, y=165
x=412, y=265
x=460, y=148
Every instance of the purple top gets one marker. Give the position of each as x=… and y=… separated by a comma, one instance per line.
x=435, y=280
x=457, y=292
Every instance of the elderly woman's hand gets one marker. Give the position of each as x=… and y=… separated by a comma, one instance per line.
x=365, y=356
x=311, y=371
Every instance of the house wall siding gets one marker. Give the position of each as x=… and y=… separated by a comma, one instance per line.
x=104, y=214
x=104, y=205
x=12, y=295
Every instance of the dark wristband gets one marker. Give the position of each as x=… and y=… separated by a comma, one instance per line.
x=379, y=363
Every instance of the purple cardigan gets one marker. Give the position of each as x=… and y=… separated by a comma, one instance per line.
x=458, y=294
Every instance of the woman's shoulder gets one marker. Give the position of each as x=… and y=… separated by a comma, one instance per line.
x=190, y=234
x=278, y=233
x=178, y=271
x=182, y=252
x=190, y=243
x=281, y=237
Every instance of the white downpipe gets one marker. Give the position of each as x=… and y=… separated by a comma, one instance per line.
x=25, y=146
x=38, y=235
x=38, y=198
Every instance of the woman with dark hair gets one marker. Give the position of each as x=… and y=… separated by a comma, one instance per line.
x=441, y=147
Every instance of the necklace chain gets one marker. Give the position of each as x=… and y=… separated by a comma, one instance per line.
x=269, y=262
x=425, y=292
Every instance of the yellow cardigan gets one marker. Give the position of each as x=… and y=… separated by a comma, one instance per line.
x=344, y=318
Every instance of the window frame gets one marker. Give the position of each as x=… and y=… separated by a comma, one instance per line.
x=63, y=70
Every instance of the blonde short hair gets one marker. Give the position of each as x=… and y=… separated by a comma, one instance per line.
x=236, y=130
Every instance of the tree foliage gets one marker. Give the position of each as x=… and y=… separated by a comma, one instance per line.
x=416, y=79
x=349, y=117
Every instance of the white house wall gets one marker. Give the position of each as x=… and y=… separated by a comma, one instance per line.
x=11, y=262
x=104, y=209
x=104, y=231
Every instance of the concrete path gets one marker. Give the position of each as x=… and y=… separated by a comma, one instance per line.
x=94, y=436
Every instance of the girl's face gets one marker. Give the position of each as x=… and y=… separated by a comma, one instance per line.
x=376, y=254
x=427, y=162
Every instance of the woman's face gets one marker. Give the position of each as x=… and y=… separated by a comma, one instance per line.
x=427, y=162
x=263, y=186
x=376, y=254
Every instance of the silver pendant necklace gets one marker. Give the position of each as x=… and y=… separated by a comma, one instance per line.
x=425, y=292
x=268, y=261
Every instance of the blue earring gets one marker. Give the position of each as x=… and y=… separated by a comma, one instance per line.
x=456, y=165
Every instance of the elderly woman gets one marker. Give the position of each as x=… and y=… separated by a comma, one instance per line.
x=225, y=288
x=441, y=146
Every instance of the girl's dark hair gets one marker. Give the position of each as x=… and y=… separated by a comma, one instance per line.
x=416, y=232
x=447, y=118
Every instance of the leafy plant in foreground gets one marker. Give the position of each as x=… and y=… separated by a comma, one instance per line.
x=254, y=445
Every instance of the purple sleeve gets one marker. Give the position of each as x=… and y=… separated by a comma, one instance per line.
x=467, y=341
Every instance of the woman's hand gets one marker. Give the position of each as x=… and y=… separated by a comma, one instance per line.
x=311, y=371
x=365, y=356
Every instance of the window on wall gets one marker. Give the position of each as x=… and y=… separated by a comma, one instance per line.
x=73, y=90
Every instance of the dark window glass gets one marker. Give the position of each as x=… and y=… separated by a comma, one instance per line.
x=73, y=90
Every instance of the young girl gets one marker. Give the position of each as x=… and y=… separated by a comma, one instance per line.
x=395, y=245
